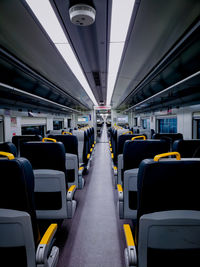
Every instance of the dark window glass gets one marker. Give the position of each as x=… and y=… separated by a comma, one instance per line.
x=146, y=123
x=29, y=130
x=57, y=125
x=167, y=125
x=198, y=129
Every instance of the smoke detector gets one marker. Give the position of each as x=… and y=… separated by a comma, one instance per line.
x=82, y=14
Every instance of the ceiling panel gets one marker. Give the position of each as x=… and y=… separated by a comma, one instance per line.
x=157, y=27
x=90, y=43
x=22, y=36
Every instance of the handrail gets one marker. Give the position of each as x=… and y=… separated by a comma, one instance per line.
x=128, y=132
x=10, y=156
x=138, y=137
x=63, y=133
x=48, y=139
x=159, y=156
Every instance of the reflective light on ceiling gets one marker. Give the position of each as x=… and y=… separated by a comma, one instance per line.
x=47, y=18
x=120, y=20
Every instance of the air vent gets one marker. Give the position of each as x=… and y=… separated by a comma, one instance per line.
x=96, y=77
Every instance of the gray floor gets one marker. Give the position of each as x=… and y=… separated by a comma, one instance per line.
x=94, y=238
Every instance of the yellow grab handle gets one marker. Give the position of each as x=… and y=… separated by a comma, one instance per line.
x=139, y=136
x=72, y=188
x=48, y=234
x=6, y=154
x=66, y=133
x=119, y=188
x=157, y=157
x=88, y=156
x=48, y=139
x=128, y=132
x=128, y=235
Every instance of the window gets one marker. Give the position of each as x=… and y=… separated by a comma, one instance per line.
x=57, y=124
x=167, y=125
x=1, y=131
x=69, y=123
x=29, y=130
x=135, y=121
x=198, y=129
x=146, y=123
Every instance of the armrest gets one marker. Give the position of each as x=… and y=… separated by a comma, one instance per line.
x=70, y=192
x=120, y=192
x=45, y=243
x=120, y=161
x=115, y=170
x=80, y=171
x=131, y=256
x=120, y=168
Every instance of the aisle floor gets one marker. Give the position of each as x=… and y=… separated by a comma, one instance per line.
x=94, y=237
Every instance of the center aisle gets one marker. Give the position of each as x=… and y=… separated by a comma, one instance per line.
x=94, y=237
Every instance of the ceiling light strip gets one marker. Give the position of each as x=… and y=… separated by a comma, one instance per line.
x=120, y=20
x=47, y=18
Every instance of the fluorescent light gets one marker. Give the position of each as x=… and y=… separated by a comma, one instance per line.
x=46, y=16
x=68, y=55
x=114, y=61
x=119, y=28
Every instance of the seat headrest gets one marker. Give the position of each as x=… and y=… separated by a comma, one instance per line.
x=70, y=142
x=122, y=139
x=80, y=135
x=168, y=185
x=17, y=188
x=9, y=147
x=135, y=151
x=45, y=155
x=172, y=136
x=18, y=140
x=187, y=148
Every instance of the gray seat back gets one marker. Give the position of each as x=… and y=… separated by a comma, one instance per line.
x=170, y=238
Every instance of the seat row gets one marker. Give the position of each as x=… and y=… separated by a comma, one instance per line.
x=42, y=188
x=161, y=197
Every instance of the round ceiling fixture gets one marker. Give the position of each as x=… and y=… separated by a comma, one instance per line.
x=82, y=14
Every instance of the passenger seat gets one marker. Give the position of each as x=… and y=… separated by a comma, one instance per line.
x=187, y=148
x=53, y=198
x=167, y=232
x=9, y=147
x=20, y=241
x=18, y=140
x=134, y=152
x=73, y=171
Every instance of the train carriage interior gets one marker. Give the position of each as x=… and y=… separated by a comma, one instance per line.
x=99, y=133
